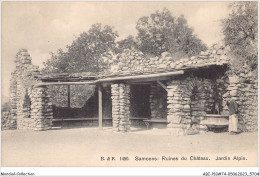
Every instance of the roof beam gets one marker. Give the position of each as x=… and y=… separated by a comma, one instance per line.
x=150, y=77
x=63, y=83
x=147, y=80
x=163, y=86
x=144, y=76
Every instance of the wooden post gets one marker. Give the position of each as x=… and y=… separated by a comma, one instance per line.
x=100, y=116
x=68, y=96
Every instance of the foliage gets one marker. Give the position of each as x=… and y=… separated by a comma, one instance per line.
x=5, y=107
x=161, y=32
x=128, y=43
x=81, y=56
x=79, y=94
x=27, y=100
x=240, y=29
x=85, y=92
x=84, y=52
x=157, y=33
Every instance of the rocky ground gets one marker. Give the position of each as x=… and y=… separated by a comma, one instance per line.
x=87, y=146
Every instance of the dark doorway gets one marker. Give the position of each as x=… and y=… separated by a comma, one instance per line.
x=139, y=101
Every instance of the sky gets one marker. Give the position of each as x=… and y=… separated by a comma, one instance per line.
x=44, y=27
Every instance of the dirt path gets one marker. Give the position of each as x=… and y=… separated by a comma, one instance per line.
x=86, y=147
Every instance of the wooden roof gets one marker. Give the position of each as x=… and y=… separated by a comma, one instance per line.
x=89, y=78
x=68, y=77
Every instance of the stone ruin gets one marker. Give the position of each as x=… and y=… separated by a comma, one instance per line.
x=185, y=113
x=30, y=107
x=133, y=61
x=120, y=107
x=207, y=81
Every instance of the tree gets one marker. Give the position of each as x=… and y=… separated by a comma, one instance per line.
x=5, y=107
x=240, y=29
x=84, y=53
x=161, y=32
x=127, y=43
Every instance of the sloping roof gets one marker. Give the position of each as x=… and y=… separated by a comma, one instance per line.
x=134, y=63
x=83, y=76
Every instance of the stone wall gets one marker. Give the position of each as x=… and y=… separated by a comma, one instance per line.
x=120, y=95
x=248, y=104
x=22, y=79
x=41, y=109
x=8, y=122
x=28, y=105
x=133, y=61
x=189, y=98
x=13, y=98
x=211, y=99
x=244, y=90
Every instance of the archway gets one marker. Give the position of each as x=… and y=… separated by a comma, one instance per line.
x=194, y=95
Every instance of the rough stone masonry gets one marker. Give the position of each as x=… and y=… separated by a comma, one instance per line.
x=189, y=97
x=30, y=107
x=120, y=107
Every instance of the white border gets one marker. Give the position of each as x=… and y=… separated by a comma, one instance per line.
x=129, y=171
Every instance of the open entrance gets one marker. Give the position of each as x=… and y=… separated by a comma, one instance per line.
x=197, y=107
x=139, y=101
x=78, y=107
x=203, y=104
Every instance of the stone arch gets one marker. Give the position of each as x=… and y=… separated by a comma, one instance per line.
x=32, y=111
x=193, y=83
x=26, y=104
x=193, y=93
x=184, y=111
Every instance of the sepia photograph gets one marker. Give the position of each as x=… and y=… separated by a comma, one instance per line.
x=129, y=84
